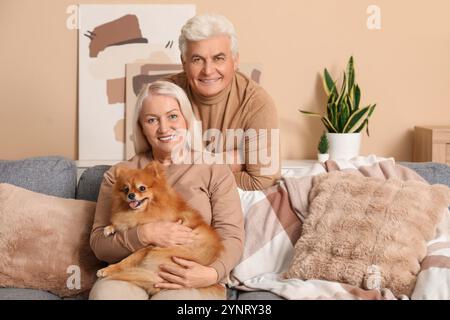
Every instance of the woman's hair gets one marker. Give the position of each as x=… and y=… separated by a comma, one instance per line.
x=205, y=26
x=168, y=89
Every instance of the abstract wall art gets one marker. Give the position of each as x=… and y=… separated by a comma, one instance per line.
x=110, y=36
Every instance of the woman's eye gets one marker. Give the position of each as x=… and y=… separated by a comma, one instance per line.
x=173, y=117
x=126, y=189
x=151, y=120
x=142, y=188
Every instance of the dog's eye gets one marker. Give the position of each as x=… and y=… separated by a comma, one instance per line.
x=126, y=189
x=142, y=188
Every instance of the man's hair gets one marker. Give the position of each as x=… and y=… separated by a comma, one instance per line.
x=205, y=26
x=168, y=89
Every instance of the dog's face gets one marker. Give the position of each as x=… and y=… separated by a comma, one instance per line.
x=137, y=188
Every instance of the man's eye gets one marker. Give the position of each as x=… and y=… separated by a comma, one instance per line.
x=196, y=60
x=142, y=188
x=220, y=58
x=126, y=189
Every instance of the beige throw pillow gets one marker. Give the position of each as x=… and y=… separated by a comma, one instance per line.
x=356, y=222
x=44, y=242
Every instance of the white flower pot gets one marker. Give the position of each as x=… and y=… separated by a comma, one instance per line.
x=344, y=145
x=322, y=157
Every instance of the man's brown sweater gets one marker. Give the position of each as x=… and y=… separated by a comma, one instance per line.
x=242, y=105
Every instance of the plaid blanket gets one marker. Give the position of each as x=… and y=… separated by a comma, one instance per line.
x=273, y=223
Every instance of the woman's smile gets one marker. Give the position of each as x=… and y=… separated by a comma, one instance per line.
x=163, y=124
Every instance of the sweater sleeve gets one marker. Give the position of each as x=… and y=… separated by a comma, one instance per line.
x=263, y=144
x=227, y=220
x=118, y=246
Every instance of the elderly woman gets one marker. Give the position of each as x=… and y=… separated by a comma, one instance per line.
x=163, y=127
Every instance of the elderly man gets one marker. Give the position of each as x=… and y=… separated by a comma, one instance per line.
x=239, y=119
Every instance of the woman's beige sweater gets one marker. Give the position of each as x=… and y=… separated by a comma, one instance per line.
x=210, y=189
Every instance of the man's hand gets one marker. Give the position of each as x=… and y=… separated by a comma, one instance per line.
x=165, y=234
x=186, y=274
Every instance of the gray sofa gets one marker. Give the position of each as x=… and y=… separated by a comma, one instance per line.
x=57, y=176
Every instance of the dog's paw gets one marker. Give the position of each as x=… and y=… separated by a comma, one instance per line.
x=152, y=290
x=108, y=230
x=102, y=273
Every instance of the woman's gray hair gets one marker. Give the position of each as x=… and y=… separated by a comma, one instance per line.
x=168, y=89
x=205, y=26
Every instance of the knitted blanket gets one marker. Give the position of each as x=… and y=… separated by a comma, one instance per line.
x=274, y=220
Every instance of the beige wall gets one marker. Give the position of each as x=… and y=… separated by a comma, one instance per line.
x=404, y=67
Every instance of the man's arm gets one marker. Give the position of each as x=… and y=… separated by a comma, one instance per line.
x=262, y=147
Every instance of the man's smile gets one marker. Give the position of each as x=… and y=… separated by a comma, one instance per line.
x=209, y=81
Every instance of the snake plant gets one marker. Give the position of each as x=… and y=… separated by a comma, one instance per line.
x=343, y=112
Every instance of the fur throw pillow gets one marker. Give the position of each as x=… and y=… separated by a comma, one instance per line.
x=44, y=242
x=368, y=232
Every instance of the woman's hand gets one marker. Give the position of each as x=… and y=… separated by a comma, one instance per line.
x=186, y=274
x=165, y=234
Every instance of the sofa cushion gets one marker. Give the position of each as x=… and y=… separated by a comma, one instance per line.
x=90, y=181
x=358, y=225
x=258, y=295
x=26, y=294
x=44, y=242
x=433, y=172
x=55, y=176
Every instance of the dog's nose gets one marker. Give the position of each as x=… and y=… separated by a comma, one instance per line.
x=131, y=196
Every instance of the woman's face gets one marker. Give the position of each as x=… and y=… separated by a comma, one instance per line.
x=162, y=123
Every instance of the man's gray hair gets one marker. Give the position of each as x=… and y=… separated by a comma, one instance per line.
x=205, y=26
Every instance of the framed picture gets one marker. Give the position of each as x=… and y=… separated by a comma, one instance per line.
x=110, y=36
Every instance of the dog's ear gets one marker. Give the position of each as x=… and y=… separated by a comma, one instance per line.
x=156, y=169
x=119, y=171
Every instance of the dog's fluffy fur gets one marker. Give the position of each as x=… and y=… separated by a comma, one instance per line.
x=154, y=200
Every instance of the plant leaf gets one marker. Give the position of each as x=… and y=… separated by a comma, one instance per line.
x=345, y=114
x=350, y=74
x=349, y=103
x=342, y=93
x=332, y=113
x=366, y=121
x=328, y=83
x=372, y=109
x=356, y=97
x=332, y=98
x=328, y=125
x=355, y=118
x=308, y=113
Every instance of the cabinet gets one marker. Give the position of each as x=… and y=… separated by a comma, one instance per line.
x=432, y=144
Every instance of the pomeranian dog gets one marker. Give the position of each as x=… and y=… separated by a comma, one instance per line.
x=143, y=196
